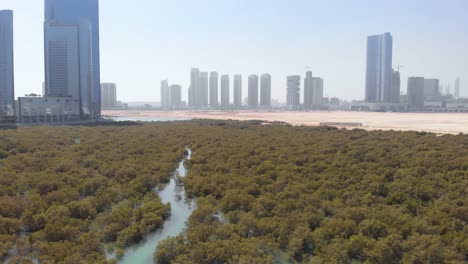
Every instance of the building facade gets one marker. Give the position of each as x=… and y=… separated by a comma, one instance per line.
x=37, y=110
x=225, y=91
x=193, y=89
x=396, y=88
x=317, y=92
x=214, y=101
x=165, y=94
x=293, y=93
x=308, y=90
x=203, y=92
x=175, y=95
x=379, y=71
x=431, y=89
x=416, y=92
x=238, y=91
x=457, y=88
x=7, y=85
x=108, y=95
x=265, y=90
x=85, y=14
x=253, y=91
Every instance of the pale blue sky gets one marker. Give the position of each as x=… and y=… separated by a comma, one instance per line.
x=144, y=41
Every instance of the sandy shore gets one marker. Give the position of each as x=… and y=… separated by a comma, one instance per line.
x=446, y=123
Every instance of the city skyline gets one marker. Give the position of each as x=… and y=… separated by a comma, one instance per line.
x=343, y=66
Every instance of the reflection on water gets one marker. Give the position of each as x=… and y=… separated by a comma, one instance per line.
x=181, y=209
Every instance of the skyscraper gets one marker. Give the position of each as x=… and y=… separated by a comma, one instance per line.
x=379, y=72
x=308, y=91
x=431, y=89
x=317, y=91
x=265, y=90
x=74, y=13
x=457, y=88
x=214, y=89
x=396, y=87
x=108, y=95
x=416, y=92
x=224, y=91
x=238, y=91
x=203, y=92
x=253, y=91
x=165, y=94
x=293, y=96
x=68, y=63
x=7, y=86
x=175, y=95
x=194, y=87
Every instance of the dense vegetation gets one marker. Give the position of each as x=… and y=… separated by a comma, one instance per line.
x=61, y=202
x=322, y=195
x=264, y=193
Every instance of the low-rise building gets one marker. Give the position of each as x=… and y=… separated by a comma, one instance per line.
x=36, y=110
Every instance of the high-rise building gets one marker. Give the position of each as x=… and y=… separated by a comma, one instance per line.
x=238, y=91
x=416, y=92
x=203, y=92
x=457, y=88
x=108, y=95
x=214, y=89
x=194, y=87
x=308, y=91
x=431, y=89
x=396, y=87
x=379, y=72
x=68, y=64
x=448, y=90
x=7, y=86
x=83, y=14
x=165, y=94
x=317, y=91
x=253, y=91
x=265, y=90
x=175, y=95
x=225, y=91
x=293, y=97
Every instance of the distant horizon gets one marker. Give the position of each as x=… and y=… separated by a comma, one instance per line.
x=233, y=37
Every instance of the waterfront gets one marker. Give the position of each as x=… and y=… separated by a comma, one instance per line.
x=444, y=123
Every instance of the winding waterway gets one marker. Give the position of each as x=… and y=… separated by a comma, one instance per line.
x=181, y=209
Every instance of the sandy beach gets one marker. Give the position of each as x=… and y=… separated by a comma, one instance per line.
x=444, y=123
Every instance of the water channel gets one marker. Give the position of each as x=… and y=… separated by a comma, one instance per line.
x=181, y=209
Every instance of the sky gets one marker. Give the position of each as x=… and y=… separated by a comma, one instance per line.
x=146, y=41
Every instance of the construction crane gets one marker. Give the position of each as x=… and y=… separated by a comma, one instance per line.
x=398, y=67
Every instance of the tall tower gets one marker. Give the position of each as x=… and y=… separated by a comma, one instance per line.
x=317, y=91
x=238, y=91
x=308, y=90
x=265, y=90
x=165, y=94
x=293, y=97
x=225, y=91
x=416, y=92
x=253, y=91
x=194, y=87
x=203, y=92
x=396, y=87
x=7, y=86
x=457, y=88
x=75, y=13
x=108, y=95
x=379, y=72
x=214, y=89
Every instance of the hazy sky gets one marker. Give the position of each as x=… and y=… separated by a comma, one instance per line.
x=144, y=41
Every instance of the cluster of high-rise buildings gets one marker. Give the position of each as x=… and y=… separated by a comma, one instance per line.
x=71, y=90
x=313, y=91
x=211, y=90
x=383, y=84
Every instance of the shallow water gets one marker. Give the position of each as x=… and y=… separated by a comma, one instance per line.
x=142, y=253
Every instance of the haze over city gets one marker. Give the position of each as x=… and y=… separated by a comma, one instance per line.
x=143, y=42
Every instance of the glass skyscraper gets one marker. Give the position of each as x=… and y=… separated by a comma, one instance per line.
x=379, y=72
x=80, y=12
x=7, y=95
